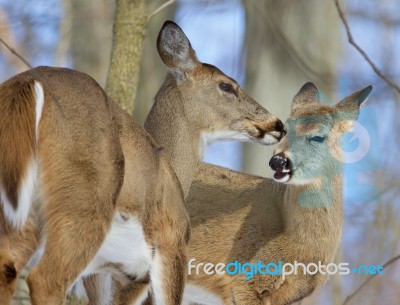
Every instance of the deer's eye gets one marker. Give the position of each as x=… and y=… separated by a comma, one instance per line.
x=227, y=88
x=318, y=139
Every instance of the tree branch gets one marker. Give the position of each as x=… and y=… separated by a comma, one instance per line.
x=16, y=53
x=389, y=20
x=361, y=51
x=159, y=9
x=370, y=278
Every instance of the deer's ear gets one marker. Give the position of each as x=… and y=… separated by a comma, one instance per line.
x=175, y=48
x=308, y=94
x=349, y=107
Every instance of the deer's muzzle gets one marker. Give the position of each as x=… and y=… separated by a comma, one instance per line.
x=265, y=133
x=282, y=167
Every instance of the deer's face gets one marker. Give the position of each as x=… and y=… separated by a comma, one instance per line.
x=213, y=101
x=312, y=147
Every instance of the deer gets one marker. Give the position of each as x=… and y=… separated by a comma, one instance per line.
x=295, y=217
x=86, y=185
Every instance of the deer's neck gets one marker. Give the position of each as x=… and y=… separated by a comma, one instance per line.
x=168, y=124
x=313, y=213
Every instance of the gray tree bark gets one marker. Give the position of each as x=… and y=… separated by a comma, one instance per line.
x=90, y=36
x=128, y=34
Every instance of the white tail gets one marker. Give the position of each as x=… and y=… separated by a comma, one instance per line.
x=58, y=148
x=18, y=160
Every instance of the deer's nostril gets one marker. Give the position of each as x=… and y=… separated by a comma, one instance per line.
x=280, y=127
x=278, y=162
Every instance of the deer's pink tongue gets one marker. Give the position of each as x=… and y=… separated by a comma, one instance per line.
x=279, y=175
x=282, y=176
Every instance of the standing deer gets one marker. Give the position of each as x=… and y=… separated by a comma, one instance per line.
x=244, y=218
x=101, y=196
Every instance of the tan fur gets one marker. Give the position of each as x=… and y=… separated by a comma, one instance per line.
x=82, y=137
x=249, y=219
x=188, y=105
x=80, y=172
x=183, y=113
x=246, y=218
x=17, y=134
x=95, y=162
x=236, y=216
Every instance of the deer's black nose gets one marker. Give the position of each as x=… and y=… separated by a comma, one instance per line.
x=278, y=162
x=279, y=126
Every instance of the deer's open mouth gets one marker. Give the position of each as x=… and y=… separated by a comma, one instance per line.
x=282, y=168
x=282, y=175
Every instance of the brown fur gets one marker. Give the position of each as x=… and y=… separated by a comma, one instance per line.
x=183, y=113
x=81, y=173
x=17, y=134
x=79, y=177
x=247, y=219
x=236, y=216
x=95, y=162
x=188, y=105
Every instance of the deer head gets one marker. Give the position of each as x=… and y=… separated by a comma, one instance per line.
x=312, y=147
x=213, y=103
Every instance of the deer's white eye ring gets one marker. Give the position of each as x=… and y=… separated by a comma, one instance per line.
x=227, y=88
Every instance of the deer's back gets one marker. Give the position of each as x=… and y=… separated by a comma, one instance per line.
x=223, y=204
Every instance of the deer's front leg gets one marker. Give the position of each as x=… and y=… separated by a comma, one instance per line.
x=102, y=289
x=169, y=267
x=168, y=275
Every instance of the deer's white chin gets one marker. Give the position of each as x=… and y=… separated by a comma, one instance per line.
x=269, y=139
x=208, y=138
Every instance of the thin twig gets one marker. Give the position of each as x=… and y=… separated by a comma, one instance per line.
x=361, y=51
x=16, y=53
x=159, y=9
x=351, y=296
x=40, y=76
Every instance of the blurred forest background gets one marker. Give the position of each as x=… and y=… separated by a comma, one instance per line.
x=271, y=47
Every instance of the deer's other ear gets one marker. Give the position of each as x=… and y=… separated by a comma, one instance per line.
x=308, y=94
x=175, y=48
x=349, y=107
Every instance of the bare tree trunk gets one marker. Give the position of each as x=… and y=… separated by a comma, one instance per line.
x=128, y=34
x=152, y=69
x=64, y=43
x=90, y=42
